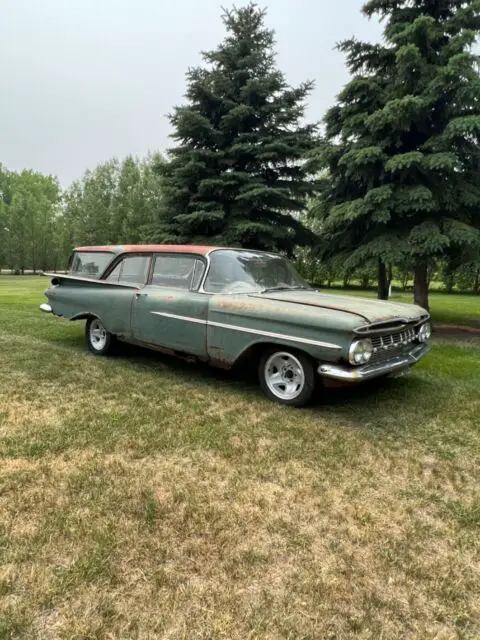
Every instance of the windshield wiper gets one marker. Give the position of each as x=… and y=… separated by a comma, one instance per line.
x=284, y=288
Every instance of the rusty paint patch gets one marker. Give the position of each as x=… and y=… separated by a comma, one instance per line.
x=235, y=305
x=270, y=305
x=163, y=298
x=318, y=306
x=221, y=363
x=156, y=347
x=217, y=360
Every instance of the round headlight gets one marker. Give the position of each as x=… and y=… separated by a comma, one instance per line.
x=360, y=351
x=425, y=332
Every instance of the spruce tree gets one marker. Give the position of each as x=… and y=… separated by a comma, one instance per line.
x=402, y=143
x=238, y=175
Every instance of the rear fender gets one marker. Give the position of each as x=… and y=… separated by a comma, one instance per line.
x=78, y=298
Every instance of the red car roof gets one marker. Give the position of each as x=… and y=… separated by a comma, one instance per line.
x=135, y=248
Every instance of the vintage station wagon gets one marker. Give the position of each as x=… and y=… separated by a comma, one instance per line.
x=227, y=306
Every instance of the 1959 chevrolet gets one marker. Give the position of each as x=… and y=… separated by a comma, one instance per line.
x=226, y=306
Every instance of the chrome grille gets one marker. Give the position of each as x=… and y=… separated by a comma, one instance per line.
x=392, y=344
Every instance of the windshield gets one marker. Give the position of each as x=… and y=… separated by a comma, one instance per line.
x=90, y=264
x=246, y=271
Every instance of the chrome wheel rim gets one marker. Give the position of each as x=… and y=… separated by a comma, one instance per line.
x=284, y=375
x=98, y=335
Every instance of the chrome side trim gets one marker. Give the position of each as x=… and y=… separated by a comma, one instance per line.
x=175, y=317
x=258, y=332
x=358, y=374
x=280, y=336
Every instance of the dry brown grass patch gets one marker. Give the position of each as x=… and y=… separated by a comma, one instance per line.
x=170, y=544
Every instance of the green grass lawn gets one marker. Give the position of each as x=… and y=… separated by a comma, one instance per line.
x=142, y=497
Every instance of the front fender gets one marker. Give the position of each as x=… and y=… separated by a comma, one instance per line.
x=236, y=325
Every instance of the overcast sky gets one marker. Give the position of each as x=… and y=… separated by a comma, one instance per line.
x=85, y=80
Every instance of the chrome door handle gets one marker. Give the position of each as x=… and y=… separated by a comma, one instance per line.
x=139, y=293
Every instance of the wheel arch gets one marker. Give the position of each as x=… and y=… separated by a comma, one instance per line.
x=89, y=315
x=252, y=354
x=85, y=315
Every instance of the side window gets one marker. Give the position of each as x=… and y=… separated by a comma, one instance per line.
x=173, y=271
x=198, y=274
x=115, y=274
x=135, y=269
x=132, y=270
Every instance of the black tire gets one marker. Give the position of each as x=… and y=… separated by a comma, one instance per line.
x=295, y=369
x=99, y=341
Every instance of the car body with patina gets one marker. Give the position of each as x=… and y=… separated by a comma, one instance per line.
x=227, y=306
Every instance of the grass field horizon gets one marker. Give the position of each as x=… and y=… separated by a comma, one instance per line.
x=144, y=497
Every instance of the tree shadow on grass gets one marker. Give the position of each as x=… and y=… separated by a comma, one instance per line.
x=217, y=409
x=151, y=360
x=390, y=405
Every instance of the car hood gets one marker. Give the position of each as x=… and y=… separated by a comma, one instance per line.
x=365, y=308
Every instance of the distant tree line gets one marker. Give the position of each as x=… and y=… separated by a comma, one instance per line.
x=118, y=201
x=385, y=190
x=334, y=272
x=30, y=220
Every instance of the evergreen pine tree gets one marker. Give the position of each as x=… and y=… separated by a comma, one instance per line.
x=402, y=144
x=237, y=176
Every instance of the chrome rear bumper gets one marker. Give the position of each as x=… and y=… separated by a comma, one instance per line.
x=367, y=372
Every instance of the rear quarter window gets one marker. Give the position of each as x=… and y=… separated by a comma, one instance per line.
x=90, y=264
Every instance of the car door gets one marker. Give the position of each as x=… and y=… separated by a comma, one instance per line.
x=117, y=302
x=169, y=312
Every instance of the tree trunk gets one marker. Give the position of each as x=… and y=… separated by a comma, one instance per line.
x=420, y=284
x=450, y=282
x=383, y=284
x=476, y=283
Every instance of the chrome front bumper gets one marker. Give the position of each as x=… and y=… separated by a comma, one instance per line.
x=46, y=308
x=367, y=372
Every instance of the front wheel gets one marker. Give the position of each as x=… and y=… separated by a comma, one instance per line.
x=287, y=376
x=99, y=340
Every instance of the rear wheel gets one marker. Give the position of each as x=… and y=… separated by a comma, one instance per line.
x=99, y=340
x=287, y=376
